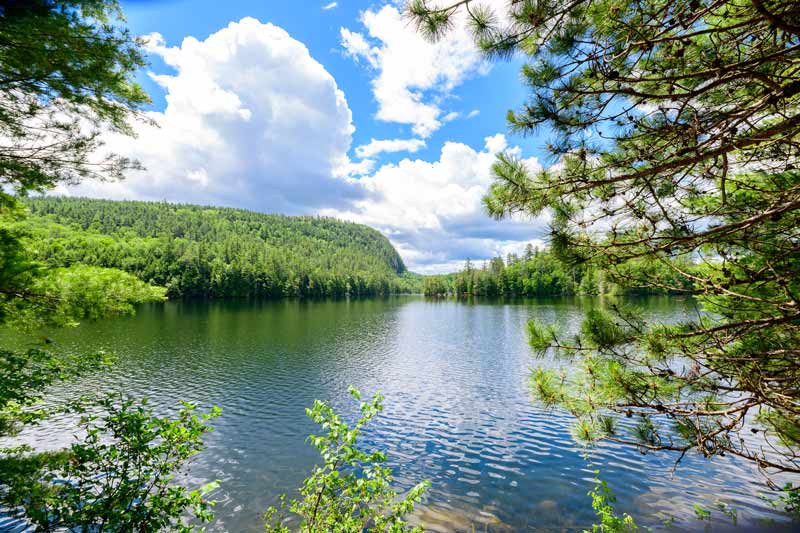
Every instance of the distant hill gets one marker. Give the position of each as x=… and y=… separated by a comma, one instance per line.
x=217, y=252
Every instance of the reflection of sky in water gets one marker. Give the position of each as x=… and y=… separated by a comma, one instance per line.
x=458, y=411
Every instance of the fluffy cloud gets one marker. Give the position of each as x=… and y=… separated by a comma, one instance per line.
x=451, y=116
x=251, y=120
x=413, y=75
x=377, y=146
x=433, y=211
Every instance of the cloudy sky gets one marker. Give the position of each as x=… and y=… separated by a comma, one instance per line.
x=333, y=108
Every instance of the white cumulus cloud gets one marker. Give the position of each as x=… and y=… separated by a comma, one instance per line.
x=330, y=6
x=433, y=211
x=251, y=120
x=377, y=146
x=412, y=75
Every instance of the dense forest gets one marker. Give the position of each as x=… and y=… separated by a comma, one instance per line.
x=541, y=273
x=201, y=251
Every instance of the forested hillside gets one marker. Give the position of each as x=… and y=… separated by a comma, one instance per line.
x=216, y=252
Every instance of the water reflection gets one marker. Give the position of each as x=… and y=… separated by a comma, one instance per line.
x=458, y=411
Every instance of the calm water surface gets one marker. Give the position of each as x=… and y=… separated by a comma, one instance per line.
x=458, y=410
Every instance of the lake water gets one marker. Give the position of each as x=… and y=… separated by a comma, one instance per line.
x=458, y=409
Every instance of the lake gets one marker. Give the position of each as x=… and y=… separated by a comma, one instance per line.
x=458, y=410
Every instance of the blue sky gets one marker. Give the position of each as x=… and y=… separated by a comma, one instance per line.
x=338, y=109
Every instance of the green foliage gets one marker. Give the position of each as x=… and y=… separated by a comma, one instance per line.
x=603, y=500
x=436, y=285
x=789, y=499
x=25, y=376
x=729, y=511
x=701, y=514
x=18, y=270
x=534, y=274
x=119, y=477
x=83, y=292
x=602, y=331
x=542, y=273
x=675, y=126
x=351, y=491
x=540, y=337
x=66, y=74
x=33, y=295
x=218, y=252
x=66, y=77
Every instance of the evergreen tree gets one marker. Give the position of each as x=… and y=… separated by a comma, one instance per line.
x=676, y=124
x=528, y=252
x=208, y=252
x=545, y=275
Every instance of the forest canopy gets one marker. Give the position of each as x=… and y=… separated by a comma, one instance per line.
x=217, y=252
x=541, y=273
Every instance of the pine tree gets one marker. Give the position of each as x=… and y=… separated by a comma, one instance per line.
x=676, y=126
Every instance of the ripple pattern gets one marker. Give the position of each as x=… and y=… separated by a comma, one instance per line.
x=458, y=410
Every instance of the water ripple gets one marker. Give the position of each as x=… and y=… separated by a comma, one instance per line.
x=458, y=411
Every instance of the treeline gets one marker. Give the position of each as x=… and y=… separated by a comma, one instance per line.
x=540, y=273
x=199, y=251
